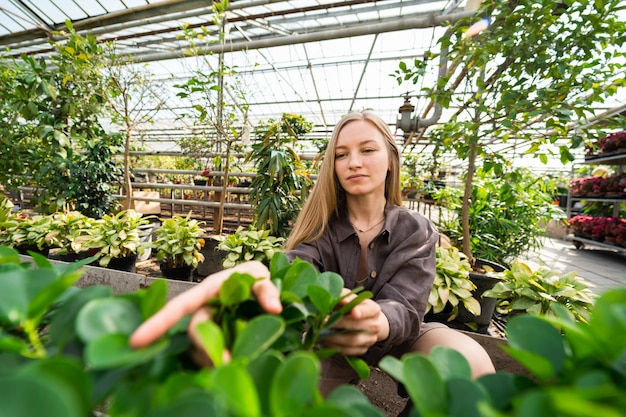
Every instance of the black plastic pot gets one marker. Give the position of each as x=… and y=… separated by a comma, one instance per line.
x=126, y=263
x=180, y=273
x=487, y=304
x=212, y=258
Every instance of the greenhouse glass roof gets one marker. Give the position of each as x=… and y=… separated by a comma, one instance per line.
x=318, y=58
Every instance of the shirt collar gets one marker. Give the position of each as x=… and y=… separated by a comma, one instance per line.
x=344, y=229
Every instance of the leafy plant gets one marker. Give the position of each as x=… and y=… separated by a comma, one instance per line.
x=247, y=245
x=73, y=232
x=577, y=369
x=178, y=242
x=281, y=184
x=118, y=235
x=32, y=232
x=83, y=362
x=523, y=290
x=53, y=132
x=452, y=285
x=507, y=214
x=518, y=74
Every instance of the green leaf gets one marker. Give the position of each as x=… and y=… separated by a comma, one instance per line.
x=299, y=276
x=260, y=333
x=321, y=299
x=360, y=366
x=540, y=339
x=154, y=298
x=38, y=395
x=394, y=367
x=464, y=397
x=262, y=369
x=63, y=325
x=294, y=386
x=113, y=351
x=18, y=288
x=212, y=340
x=450, y=363
x=424, y=384
x=105, y=316
x=236, y=289
x=242, y=401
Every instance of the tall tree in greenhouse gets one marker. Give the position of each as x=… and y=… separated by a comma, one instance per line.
x=55, y=141
x=216, y=102
x=134, y=100
x=530, y=80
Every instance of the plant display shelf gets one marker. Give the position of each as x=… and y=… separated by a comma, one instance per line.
x=618, y=159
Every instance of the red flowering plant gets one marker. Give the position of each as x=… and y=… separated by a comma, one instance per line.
x=577, y=186
x=620, y=232
x=581, y=224
x=599, y=228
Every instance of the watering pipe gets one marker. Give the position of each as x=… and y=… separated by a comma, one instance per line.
x=410, y=123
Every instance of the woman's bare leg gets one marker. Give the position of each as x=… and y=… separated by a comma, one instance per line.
x=476, y=355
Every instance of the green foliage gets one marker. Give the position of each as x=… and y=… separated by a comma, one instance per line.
x=577, y=369
x=178, y=242
x=53, y=138
x=452, y=285
x=249, y=244
x=83, y=361
x=507, y=214
x=523, y=290
x=118, y=235
x=281, y=185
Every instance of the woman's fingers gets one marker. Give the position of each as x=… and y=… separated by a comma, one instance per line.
x=193, y=299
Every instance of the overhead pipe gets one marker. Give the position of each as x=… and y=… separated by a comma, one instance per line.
x=410, y=123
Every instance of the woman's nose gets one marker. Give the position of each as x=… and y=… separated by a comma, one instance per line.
x=355, y=160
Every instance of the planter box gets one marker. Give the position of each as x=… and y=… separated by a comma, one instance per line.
x=122, y=282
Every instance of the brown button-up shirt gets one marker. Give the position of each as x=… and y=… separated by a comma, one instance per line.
x=401, y=266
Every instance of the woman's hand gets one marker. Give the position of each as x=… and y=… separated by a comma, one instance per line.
x=193, y=301
x=365, y=325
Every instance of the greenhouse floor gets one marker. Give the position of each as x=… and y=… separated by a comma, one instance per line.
x=603, y=268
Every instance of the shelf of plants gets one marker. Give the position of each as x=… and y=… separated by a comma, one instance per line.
x=597, y=230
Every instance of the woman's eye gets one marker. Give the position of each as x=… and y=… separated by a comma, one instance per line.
x=340, y=155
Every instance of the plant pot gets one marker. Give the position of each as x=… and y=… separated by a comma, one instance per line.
x=125, y=263
x=212, y=257
x=24, y=249
x=180, y=273
x=487, y=304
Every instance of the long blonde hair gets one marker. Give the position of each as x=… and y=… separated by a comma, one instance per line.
x=328, y=197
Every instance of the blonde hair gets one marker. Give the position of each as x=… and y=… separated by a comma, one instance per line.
x=328, y=197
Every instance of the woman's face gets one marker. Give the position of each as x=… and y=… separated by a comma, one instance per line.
x=361, y=159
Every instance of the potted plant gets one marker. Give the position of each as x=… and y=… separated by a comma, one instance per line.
x=178, y=245
x=522, y=290
x=32, y=233
x=249, y=244
x=118, y=239
x=457, y=296
x=74, y=236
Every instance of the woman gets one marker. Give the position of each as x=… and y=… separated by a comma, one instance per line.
x=353, y=223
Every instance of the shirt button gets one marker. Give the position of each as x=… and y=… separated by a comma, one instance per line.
x=373, y=274
x=372, y=245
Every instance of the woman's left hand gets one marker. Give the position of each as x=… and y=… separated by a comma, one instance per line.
x=364, y=325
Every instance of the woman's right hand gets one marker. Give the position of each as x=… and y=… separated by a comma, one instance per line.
x=195, y=299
